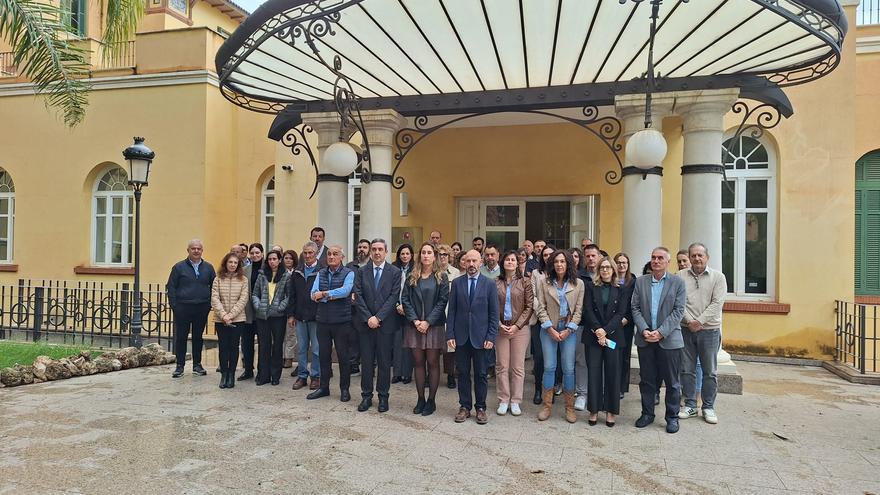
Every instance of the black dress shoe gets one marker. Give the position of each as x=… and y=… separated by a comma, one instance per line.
x=396, y=379
x=420, y=407
x=344, y=396
x=318, y=393
x=218, y=370
x=450, y=381
x=247, y=375
x=383, y=404
x=430, y=407
x=644, y=420
x=672, y=425
x=407, y=380
x=276, y=381
x=260, y=382
x=198, y=370
x=365, y=404
x=178, y=372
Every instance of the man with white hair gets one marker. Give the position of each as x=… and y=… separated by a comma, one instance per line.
x=189, y=294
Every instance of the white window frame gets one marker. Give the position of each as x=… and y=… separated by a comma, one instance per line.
x=740, y=177
x=127, y=221
x=265, y=196
x=354, y=182
x=10, y=224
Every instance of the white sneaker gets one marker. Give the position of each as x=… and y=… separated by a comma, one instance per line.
x=502, y=409
x=687, y=412
x=710, y=416
x=514, y=409
x=580, y=403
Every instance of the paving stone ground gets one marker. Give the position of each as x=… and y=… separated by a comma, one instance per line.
x=794, y=430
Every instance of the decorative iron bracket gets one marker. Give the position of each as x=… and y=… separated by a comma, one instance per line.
x=607, y=129
x=295, y=139
x=763, y=117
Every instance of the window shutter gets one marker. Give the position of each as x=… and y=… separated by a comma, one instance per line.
x=867, y=225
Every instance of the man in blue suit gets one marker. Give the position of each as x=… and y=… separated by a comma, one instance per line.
x=471, y=328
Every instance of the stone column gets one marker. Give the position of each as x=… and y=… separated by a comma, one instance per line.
x=701, y=173
x=381, y=126
x=642, y=189
x=332, y=190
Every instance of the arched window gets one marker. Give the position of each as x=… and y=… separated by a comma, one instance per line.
x=867, y=217
x=113, y=206
x=267, y=225
x=748, y=217
x=7, y=215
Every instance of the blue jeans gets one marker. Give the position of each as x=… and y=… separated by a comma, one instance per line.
x=567, y=348
x=307, y=335
x=699, y=375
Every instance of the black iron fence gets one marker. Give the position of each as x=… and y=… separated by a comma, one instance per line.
x=868, y=12
x=83, y=312
x=857, y=339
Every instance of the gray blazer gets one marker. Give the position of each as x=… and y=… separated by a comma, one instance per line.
x=672, y=303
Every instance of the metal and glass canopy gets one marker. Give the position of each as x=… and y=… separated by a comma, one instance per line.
x=425, y=57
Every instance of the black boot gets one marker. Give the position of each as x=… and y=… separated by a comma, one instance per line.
x=223, y=382
x=537, y=399
x=230, y=379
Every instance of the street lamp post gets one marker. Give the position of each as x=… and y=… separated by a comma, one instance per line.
x=139, y=158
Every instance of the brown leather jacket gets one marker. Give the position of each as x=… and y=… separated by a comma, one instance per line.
x=521, y=301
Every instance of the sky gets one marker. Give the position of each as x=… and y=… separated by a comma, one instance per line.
x=249, y=5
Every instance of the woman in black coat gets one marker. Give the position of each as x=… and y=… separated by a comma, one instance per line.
x=627, y=282
x=604, y=309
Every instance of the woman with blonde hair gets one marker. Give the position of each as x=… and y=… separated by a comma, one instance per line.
x=229, y=297
x=604, y=309
x=424, y=302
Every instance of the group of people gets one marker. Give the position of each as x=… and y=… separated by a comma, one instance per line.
x=478, y=311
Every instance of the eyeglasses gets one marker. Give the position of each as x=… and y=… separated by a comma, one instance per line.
x=444, y=255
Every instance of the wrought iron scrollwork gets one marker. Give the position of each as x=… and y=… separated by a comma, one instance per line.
x=754, y=121
x=607, y=129
x=295, y=139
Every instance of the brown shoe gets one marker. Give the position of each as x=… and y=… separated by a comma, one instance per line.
x=481, y=417
x=463, y=415
x=315, y=383
x=547, y=405
x=287, y=363
x=299, y=383
x=570, y=415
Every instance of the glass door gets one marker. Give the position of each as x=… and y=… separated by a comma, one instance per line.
x=504, y=223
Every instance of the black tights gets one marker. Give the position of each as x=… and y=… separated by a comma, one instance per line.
x=432, y=357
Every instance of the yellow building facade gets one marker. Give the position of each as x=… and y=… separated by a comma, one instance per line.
x=218, y=177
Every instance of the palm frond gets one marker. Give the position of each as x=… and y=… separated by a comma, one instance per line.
x=43, y=52
x=122, y=20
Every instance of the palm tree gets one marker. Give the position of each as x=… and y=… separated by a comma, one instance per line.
x=43, y=48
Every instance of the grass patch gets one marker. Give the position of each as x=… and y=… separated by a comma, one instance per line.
x=25, y=353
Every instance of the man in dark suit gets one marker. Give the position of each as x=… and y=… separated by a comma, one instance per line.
x=317, y=236
x=377, y=290
x=658, y=303
x=471, y=328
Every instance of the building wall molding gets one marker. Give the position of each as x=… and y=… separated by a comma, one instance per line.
x=125, y=82
x=868, y=44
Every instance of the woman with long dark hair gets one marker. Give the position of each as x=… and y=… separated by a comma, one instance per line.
x=424, y=301
x=604, y=310
x=402, y=358
x=290, y=260
x=537, y=277
x=249, y=329
x=560, y=300
x=515, y=299
x=229, y=297
x=626, y=280
x=270, y=298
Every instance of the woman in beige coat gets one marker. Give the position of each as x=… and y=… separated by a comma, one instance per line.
x=560, y=298
x=229, y=297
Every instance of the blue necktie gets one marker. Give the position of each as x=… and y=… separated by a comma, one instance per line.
x=377, y=276
x=473, y=289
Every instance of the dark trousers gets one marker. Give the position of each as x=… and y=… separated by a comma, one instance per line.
x=465, y=358
x=537, y=354
x=403, y=360
x=603, y=378
x=625, y=357
x=449, y=362
x=375, y=347
x=189, y=318
x=228, y=338
x=656, y=363
x=270, y=342
x=335, y=335
x=248, y=334
x=354, y=346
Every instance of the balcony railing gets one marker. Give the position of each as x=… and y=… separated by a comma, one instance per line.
x=7, y=65
x=124, y=58
x=868, y=12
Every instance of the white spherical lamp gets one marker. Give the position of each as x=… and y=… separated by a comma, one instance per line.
x=646, y=149
x=340, y=159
